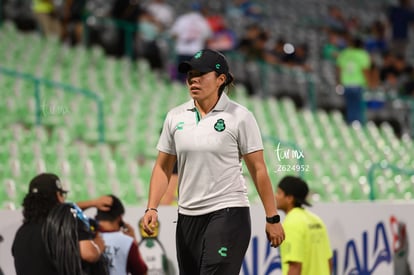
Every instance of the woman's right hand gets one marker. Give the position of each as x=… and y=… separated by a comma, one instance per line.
x=149, y=221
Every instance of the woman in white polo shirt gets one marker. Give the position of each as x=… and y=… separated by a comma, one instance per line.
x=208, y=137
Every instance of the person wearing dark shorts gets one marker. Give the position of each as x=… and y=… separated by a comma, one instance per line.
x=209, y=137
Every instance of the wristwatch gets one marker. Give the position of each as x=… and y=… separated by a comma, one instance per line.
x=274, y=219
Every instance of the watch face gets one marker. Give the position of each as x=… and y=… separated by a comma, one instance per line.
x=274, y=219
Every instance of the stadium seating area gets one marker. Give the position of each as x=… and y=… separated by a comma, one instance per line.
x=336, y=157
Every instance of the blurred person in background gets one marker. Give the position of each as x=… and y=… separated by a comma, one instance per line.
x=306, y=249
x=333, y=46
x=376, y=42
x=252, y=46
x=335, y=19
x=47, y=21
x=127, y=14
x=72, y=13
x=400, y=19
x=121, y=247
x=190, y=32
x=147, y=44
x=354, y=74
x=223, y=38
x=408, y=85
x=162, y=12
x=245, y=10
x=163, y=16
x=299, y=57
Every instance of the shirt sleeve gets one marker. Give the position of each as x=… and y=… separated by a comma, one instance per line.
x=250, y=139
x=135, y=263
x=166, y=140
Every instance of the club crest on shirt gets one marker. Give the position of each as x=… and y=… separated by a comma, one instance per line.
x=220, y=126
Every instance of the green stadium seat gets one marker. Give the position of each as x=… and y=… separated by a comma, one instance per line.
x=135, y=102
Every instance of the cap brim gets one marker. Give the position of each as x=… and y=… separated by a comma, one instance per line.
x=186, y=66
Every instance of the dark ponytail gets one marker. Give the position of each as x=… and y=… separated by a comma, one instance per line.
x=228, y=83
x=60, y=236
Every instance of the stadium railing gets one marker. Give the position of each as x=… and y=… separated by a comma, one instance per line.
x=66, y=88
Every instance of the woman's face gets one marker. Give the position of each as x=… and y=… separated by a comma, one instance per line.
x=204, y=85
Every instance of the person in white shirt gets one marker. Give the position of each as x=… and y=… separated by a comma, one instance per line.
x=190, y=32
x=209, y=136
x=162, y=12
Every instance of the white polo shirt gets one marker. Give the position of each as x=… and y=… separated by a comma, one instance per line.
x=209, y=152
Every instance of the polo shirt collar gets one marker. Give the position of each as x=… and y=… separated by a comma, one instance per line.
x=222, y=103
x=220, y=106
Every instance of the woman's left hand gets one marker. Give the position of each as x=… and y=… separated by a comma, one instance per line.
x=275, y=234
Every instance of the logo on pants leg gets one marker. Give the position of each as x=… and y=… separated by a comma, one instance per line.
x=222, y=251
